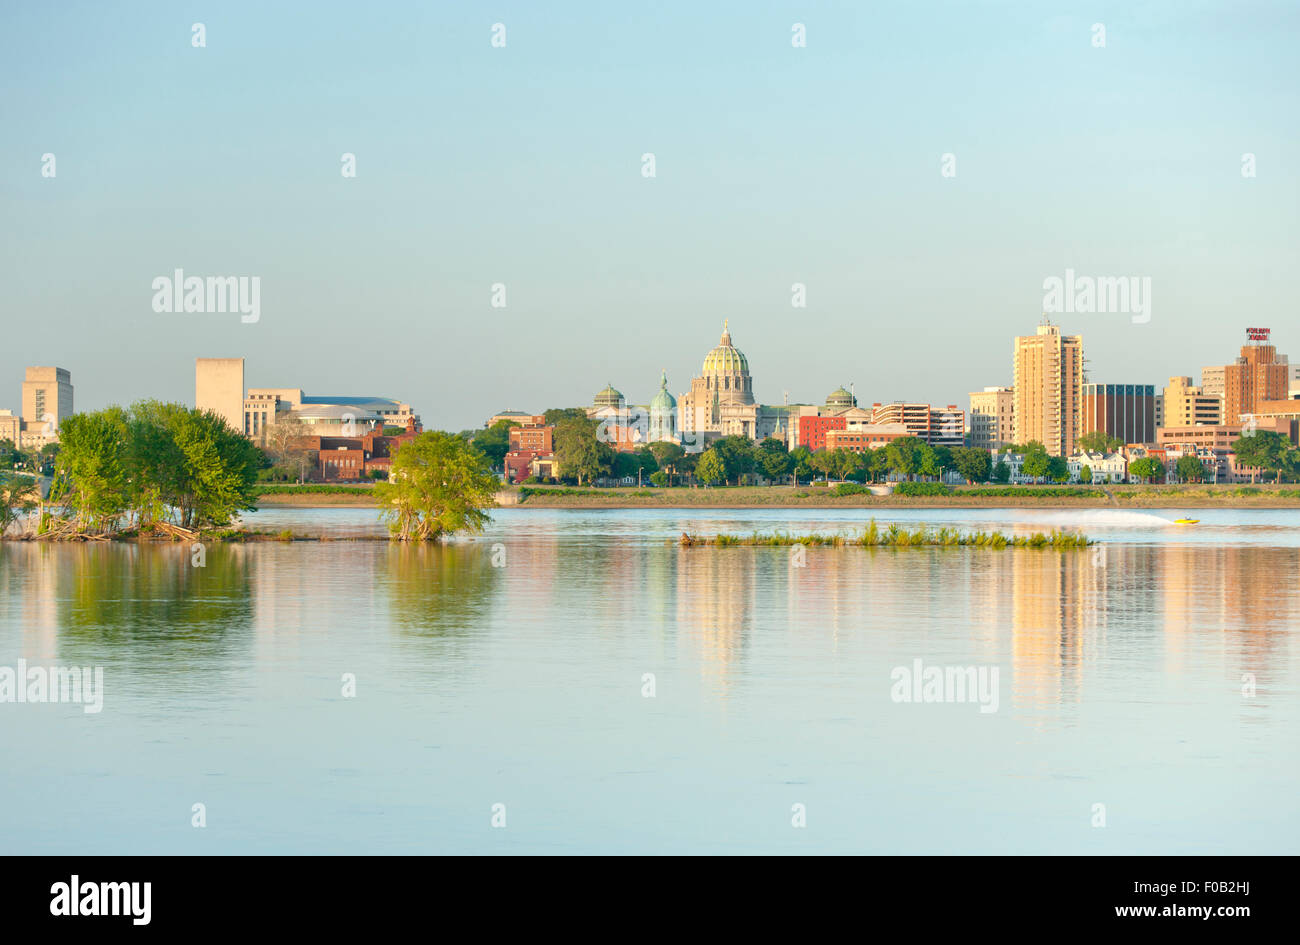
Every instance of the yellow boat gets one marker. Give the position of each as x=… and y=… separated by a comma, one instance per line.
x=1186, y=521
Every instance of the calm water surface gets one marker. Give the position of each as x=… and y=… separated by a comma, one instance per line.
x=1121, y=683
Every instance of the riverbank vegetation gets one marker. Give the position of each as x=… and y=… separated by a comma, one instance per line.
x=856, y=496
x=895, y=536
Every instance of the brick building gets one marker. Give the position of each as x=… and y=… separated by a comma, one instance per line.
x=1127, y=411
x=350, y=458
x=813, y=430
x=861, y=439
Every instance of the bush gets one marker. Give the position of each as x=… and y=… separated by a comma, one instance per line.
x=922, y=488
x=851, y=488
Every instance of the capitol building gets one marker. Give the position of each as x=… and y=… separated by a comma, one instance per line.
x=721, y=400
x=720, y=403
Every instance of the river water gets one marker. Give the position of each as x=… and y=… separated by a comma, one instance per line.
x=575, y=681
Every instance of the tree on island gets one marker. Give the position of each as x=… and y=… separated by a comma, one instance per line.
x=439, y=485
x=18, y=495
x=155, y=462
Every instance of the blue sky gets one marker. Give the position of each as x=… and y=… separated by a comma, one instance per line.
x=522, y=165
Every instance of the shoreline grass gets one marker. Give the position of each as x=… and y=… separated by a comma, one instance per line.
x=873, y=536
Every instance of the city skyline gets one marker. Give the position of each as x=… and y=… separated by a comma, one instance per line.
x=774, y=166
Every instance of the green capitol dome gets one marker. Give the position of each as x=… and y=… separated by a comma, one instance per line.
x=840, y=399
x=608, y=398
x=663, y=402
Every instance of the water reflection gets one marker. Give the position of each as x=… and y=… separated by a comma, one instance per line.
x=118, y=601
x=438, y=591
x=1059, y=622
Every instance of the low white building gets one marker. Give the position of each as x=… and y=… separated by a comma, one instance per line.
x=1105, y=467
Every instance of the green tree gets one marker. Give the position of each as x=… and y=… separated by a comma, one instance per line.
x=738, y=456
x=710, y=468
x=18, y=495
x=1037, y=463
x=1001, y=472
x=90, y=481
x=907, y=455
x=1085, y=474
x=659, y=478
x=580, y=455
x=772, y=459
x=556, y=414
x=189, y=463
x=670, y=458
x=823, y=462
x=801, y=457
x=972, y=463
x=8, y=454
x=1146, y=468
x=1058, y=470
x=930, y=461
x=848, y=464
x=637, y=461
x=1265, y=450
x=494, y=442
x=878, y=464
x=1098, y=441
x=439, y=485
x=1190, y=469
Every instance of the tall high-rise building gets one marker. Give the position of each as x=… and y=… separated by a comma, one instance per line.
x=1048, y=377
x=219, y=387
x=1126, y=411
x=1259, y=374
x=992, y=413
x=1186, y=405
x=47, y=397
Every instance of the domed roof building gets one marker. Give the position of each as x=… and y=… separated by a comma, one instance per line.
x=840, y=399
x=721, y=400
x=726, y=358
x=608, y=397
x=663, y=413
